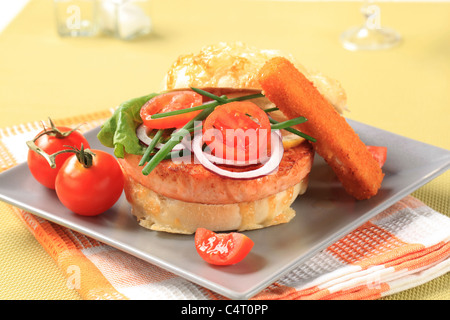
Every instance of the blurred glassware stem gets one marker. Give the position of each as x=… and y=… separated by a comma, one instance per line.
x=125, y=19
x=371, y=35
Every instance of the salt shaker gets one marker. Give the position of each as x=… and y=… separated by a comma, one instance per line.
x=125, y=19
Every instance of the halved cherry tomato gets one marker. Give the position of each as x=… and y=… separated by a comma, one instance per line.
x=222, y=248
x=171, y=101
x=90, y=188
x=238, y=131
x=50, y=141
x=379, y=153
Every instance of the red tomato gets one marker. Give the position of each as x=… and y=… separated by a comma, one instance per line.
x=51, y=143
x=379, y=153
x=171, y=101
x=92, y=190
x=222, y=248
x=238, y=131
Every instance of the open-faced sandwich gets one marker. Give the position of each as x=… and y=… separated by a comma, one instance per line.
x=229, y=142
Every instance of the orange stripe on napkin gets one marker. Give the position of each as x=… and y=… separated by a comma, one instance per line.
x=359, y=292
x=315, y=293
x=421, y=258
x=368, y=245
x=82, y=274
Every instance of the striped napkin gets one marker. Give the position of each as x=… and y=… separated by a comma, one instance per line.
x=402, y=247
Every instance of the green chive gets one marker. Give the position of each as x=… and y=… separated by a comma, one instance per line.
x=288, y=123
x=294, y=131
x=187, y=110
x=175, y=138
x=222, y=99
x=271, y=110
x=248, y=97
x=151, y=147
x=173, y=155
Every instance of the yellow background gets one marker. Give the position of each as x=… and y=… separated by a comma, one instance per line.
x=405, y=90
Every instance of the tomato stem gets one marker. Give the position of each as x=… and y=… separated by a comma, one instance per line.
x=50, y=158
x=55, y=132
x=84, y=156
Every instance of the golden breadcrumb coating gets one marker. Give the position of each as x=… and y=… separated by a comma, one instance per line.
x=337, y=142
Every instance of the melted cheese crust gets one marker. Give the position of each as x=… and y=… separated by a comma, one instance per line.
x=236, y=65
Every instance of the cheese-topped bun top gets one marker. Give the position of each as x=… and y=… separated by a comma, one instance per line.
x=236, y=65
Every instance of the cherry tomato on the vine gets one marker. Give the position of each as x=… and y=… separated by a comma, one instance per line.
x=222, y=248
x=50, y=141
x=91, y=186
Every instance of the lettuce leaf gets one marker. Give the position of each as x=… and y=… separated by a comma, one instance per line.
x=119, y=131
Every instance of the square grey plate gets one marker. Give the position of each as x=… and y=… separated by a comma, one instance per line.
x=324, y=215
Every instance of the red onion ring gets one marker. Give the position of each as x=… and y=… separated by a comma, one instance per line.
x=142, y=134
x=269, y=166
x=239, y=163
x=236, y=163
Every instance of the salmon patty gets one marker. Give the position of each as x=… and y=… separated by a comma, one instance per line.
x=192, y=182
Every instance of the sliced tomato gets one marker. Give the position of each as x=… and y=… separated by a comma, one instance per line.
x=171, y=101
x=222, y=248
x=379, y=153
x=238, y=131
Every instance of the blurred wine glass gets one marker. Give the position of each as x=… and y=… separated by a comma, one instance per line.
x=371, y=35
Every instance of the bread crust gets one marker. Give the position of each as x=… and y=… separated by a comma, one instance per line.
x=156, y=212
x=236, y=65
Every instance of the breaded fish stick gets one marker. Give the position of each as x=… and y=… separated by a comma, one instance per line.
x=337, y=142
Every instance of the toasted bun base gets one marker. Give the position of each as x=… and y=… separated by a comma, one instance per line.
x=160, y=213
